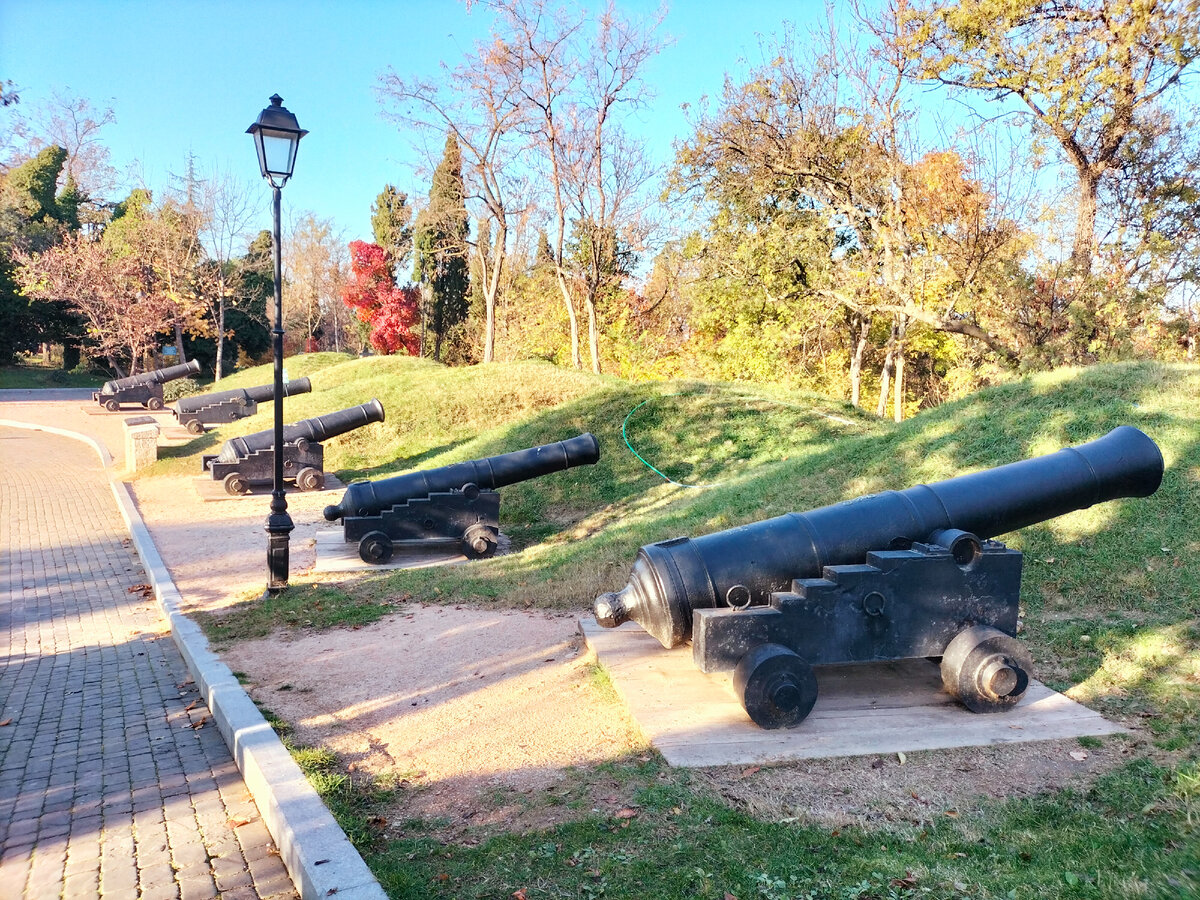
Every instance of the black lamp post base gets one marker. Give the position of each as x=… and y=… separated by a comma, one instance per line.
x=279, y=527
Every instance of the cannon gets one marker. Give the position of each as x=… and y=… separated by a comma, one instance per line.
x=454, y=505
x=246, y=462
x=895, y=575
x=145, y=389
x=228, y=406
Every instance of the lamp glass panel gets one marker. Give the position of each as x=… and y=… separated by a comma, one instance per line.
x=279, y=151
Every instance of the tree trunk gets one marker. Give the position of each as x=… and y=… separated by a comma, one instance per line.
x=898, y=357
x=178, y=341
x=885, y=378
x=593, y=333
x=218, y=367
x=573, y=319
x=71, y=355
x=1084, y=246
x=856, y=359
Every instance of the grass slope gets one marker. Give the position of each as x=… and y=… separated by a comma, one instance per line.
x=1111, y=602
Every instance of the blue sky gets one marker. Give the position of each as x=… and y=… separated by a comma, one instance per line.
x=190, y=77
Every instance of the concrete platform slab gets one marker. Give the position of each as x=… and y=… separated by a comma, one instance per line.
x=213, y=491
x=336, y=555
x=696, y=719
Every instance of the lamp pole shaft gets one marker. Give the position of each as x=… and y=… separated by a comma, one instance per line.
x=279, y=523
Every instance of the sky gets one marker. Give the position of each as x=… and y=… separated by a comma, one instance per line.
x=189, y=78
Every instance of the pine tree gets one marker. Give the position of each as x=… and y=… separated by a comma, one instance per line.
x=391, y=223
x=441, y=262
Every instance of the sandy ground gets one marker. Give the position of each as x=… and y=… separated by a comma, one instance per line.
x=483, y=714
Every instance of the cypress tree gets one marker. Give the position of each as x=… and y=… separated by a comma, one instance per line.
x=440, y=246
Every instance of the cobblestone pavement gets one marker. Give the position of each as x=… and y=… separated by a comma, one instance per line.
x=113, y=781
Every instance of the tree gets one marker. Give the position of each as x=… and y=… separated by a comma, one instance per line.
x=534, y=40
x=228, y=207
x=33, y=219
x=390, y=311
x=440, y=246
x=391, y=223
x=72, y=123
x=1089, y=73
x=164, y=239
x=480, y=103
x=314, y=274
x=815, y=174
x=608, y=169
x=117, y=296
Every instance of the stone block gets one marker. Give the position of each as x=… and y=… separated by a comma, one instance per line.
x=141, y=446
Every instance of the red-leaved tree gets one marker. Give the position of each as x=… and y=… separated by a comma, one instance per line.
x=372, y=293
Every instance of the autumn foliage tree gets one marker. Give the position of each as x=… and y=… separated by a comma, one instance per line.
x=372, y=292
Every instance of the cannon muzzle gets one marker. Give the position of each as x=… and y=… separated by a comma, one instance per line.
x=743, y=566
x=158, y=376
x=258, y=394
x=312, y=430
x=368, y=498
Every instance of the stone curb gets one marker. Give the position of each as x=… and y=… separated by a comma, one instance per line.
x=319, y=857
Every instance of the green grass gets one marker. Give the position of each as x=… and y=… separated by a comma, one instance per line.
x=1110, y=603
x=34, y=377
x=1132, y=834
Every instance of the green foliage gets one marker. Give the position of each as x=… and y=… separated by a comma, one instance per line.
x=391, y=224
x=31, y=220
x=441, y=254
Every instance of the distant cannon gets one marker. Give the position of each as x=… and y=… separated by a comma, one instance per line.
x=145, y=389
x=896, y=575
x=228, y=406
x=245, y=462
x=456, y=504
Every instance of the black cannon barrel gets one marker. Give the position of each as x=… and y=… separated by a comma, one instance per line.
x=315, y=429
x=158, y=376
x=370, y=497
x=258, y=394
x=672, y=578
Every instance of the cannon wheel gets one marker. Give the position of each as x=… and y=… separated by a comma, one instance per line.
x=195, y=426
x=154, y=403
x=479, y=541
x=111, y=405
x=987, y=670
x=236, y=484
x=776, y=685
x=310, y=479
x=375, y=547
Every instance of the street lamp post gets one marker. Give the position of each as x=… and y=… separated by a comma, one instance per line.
x=276, y=136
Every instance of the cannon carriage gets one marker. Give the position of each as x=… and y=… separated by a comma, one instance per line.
x=896, y=575
x=145, y=389
x=456, y=505
x=246, y=462
x=222, y=407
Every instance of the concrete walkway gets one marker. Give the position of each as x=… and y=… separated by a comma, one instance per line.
x=114, y=780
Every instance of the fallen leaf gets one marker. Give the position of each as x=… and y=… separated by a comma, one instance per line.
x=900, y=756
x=728, y=896
x=750, y=771
x=519, y=894
x=5, y=722
x=908, y=881
x=627, y=813
x=952, y=813
x=1079, y=755
x=196, y=726
x=237, y=823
